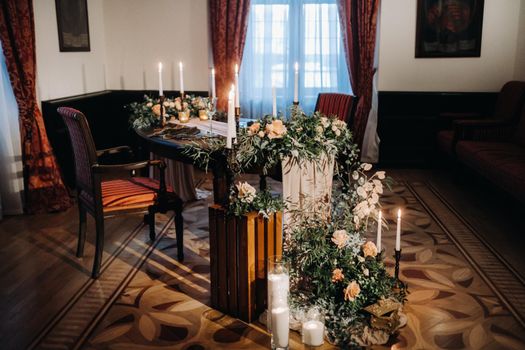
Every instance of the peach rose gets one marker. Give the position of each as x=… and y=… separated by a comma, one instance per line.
x=352, y=291
x=276, y=129
x=246, y=192
x=369, y=249
x=156, y=110
x=337, y=275
x=254, y=128
x=340, y=238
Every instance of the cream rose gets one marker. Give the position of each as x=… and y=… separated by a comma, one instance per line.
x=340, y=238
x=369, y=249
x=337, y=275
x=261, y=134
x=276, y=129
x=178, y=105
x=246, y=192
x=254, y=128
x=352, y=291
x=149, y=104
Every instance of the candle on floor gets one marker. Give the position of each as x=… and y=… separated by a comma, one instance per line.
x=181, y=77
x=274, y=101
x=161, y=92
x=313, y=333
x=213, y=83
x=296, y=84
x=237, y=103
x=378, y=240
x=280, y=326
x=231, y=119
x=398, y=231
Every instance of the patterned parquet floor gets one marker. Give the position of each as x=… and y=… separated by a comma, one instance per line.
x=462, y=294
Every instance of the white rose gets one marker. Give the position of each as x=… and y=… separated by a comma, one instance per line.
x=172, y=104
x=166, y=104
x=319, y=129
x=337, y=132
x=261, y=134
x=149, y=104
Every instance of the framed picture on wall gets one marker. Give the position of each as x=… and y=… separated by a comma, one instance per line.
x=449, y=28
x=73, y=25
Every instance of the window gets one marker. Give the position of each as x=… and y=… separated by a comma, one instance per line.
x=280, y=33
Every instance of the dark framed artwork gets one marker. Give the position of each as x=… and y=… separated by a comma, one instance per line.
x=449, y=28
x=73, y=25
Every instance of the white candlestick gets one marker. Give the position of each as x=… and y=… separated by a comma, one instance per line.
x=161, y=92
x=378, y=239
x=280, y=326
x=274, y=102
x=296, y=84
x=237, y=103
x=213, y=83
x=398, y=232
x=313, y=333
x=230, y=132
x=181, y=77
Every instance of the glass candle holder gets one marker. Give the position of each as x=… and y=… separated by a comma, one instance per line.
x=312, y=331
x=278, y=308
x=203, y=114
x=184, y=117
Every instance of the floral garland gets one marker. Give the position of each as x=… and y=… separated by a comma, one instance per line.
x=146, y=114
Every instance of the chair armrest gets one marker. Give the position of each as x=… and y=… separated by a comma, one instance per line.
x=106, y=169
x=114, y=150
x=482, y=130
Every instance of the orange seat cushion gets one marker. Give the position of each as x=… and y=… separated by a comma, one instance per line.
x=135, y=192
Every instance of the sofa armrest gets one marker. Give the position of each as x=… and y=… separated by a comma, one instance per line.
x=482, y=130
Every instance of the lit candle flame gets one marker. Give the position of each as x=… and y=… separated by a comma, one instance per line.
x=236, y=68
x=296, y=66
x=232, y=92
x=160, y=67
x=399, y=213
x=213, y=71
x=180, y=65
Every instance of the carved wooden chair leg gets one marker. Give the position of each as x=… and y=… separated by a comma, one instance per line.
x=151, y=221
x=179, y=229
x=99, y=245
x=81, y=230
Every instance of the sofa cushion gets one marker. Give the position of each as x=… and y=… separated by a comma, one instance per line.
x=502, y=163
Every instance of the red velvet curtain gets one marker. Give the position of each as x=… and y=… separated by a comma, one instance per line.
x=358, y=25
x=44, y=188
x=228, y=24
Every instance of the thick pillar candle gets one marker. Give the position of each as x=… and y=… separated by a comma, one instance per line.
x=230, y=132
x=379, y=222
x=398, y=231
x=181, y=77
x=296, y=84
x=274, y=102
x=213, y=83
x=237, y=103
x=161, y=92
x=313, y=333
x=280, y=326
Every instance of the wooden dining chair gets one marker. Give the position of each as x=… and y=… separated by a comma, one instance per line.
x=121, y=195
x=336, y=104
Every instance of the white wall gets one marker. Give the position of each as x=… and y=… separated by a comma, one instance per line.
x=400, y=71
x=140, y=33
x=62, y=74
x=519, y=70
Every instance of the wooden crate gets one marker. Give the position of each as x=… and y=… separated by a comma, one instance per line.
x=239, y=251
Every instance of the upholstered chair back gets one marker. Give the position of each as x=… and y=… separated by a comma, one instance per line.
x=335, y=104
x=510, y=101
x=84, y=150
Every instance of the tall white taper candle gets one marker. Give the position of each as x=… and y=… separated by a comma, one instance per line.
x=181, y=77
x=274, y=101
x=296, y=83
x=213, y=83
x=398, y=231
x=237, y=103
x=379, y=223
x=230, y=133
x=161, y=92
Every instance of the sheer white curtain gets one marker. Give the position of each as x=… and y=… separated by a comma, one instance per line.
x=11, y=176
x=280, y=33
